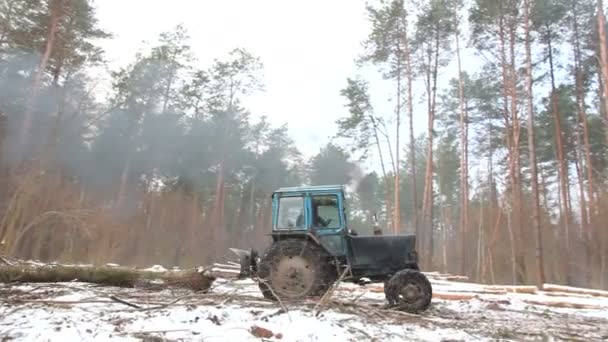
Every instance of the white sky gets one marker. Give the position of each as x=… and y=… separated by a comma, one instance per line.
x=307, y=47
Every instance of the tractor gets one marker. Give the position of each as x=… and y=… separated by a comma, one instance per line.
x=313, y=248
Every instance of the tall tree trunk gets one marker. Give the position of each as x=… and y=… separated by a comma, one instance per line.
x=384, y=176
x=444, y=227
x=55, y=15
x=582, y=201
x=410, y=110
x=562, y=170
x=216, y=219
x=167, y=93
x=601, y=22
x=511, y=125
x=390, y=148
x=580, y=95
x=251, y=220
x=515, y=153
x=588, y=167
x=582, y=114
x=428, y=197
x=397, y=206
x=464, y=183
x=390, y=152
x=532, y=148
x=124, y=178
x=377, y=138
x=603, y=109
x=506, y=77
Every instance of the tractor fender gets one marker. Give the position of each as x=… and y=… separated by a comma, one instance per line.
x=308, y=236
x=298, y=236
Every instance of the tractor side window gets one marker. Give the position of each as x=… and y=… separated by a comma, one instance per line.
x=325, y=211
x=291, y=213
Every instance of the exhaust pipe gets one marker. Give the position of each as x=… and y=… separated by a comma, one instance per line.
x=248, y=261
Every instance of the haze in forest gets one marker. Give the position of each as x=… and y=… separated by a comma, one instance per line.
x=479, y=126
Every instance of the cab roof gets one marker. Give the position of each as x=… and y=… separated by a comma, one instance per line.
x=311, y=188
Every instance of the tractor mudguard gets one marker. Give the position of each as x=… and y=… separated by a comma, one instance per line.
x=248, y=261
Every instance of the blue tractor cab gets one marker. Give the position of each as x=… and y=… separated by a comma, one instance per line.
x=312, y=246
x=316, y=211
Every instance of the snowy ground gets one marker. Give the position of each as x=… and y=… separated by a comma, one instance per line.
x=234, y=310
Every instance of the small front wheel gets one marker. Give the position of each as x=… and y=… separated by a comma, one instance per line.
x=408, y=290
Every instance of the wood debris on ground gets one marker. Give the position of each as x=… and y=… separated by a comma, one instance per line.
x=235, y=309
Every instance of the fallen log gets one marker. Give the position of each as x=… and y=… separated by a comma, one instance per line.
x=224, y=273
x=445, y=276
x=109, y=276
x=577, y=290
x=445, y=295
x=453, y=295
x=512, y=288
x=562, y=304
x=229, y=266
x=6, y=260
x=566, y=294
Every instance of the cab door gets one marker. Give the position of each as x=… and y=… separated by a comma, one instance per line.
x=327, y=221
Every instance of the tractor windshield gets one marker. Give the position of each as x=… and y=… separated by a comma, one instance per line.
x=291, y=213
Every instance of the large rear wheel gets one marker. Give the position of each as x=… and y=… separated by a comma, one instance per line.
x=408, y=290
x=294, y=269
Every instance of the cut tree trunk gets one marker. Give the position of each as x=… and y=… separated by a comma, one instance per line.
x=108, y=276
x=577, y=290
x=562, y=304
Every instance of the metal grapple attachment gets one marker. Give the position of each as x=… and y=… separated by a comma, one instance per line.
x=248, y=261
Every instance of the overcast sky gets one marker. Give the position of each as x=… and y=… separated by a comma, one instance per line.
x=308, y=49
